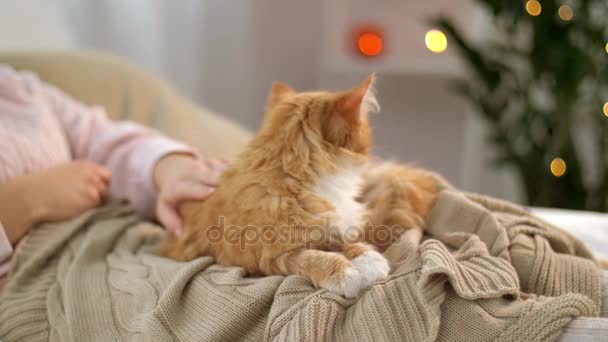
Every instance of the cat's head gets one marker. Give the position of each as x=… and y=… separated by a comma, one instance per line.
x=315, y=125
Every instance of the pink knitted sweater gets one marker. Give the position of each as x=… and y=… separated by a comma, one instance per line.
x=41, y=127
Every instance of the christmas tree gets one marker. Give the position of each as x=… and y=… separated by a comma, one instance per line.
x=540, y=79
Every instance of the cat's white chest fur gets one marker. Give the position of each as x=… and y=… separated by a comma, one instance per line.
x=341, y=189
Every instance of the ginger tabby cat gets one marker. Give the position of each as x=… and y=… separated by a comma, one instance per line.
x=295, y=202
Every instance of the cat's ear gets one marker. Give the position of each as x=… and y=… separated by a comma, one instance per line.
x=359, y=100
x=278, y=92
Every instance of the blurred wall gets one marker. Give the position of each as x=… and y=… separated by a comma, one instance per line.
x=165, y=37
x=33, y=24
x=285, y=46
x=249, y=46
x=224, y=54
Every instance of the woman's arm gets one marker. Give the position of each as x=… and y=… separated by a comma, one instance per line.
x=19, y=211
x=135, y=155
x=130, y=151
x=56, y=194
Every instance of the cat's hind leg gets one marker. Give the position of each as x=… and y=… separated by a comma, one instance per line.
x=405, y=247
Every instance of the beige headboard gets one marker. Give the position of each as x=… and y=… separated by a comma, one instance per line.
x=129, y=93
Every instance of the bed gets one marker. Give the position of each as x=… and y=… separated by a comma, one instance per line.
x=129, y=93
x=590, y=227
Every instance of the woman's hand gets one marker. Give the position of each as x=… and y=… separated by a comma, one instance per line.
x=56, y=194
x=181, y=177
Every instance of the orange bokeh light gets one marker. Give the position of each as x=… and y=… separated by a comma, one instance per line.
x=370, y=43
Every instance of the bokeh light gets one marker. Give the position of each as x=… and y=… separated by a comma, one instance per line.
x=370, y=44
x=606, y=108
x=533, y=8
x=606, y=47
x=558, y=167
x=565, y=12
x=436, y=41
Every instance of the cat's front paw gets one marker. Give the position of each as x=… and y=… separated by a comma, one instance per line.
x=372, y=266
x=349, y=284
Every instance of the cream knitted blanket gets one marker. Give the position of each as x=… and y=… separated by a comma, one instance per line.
x=487, y=272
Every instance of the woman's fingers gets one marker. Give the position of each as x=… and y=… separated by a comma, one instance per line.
x=208, y=172
x=105, y=174
x=168, y=216
x=95, y=178
x=97, y=182
x=189, y=190
x=168, y=205
x=93, y=168
x=196, y=181
x=101, y=187
x=213, y=173
x=220, y=164
x=102, y=178
x=203, y=174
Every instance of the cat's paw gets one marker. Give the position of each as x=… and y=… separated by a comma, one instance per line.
x=349, y=284
x=372, y=266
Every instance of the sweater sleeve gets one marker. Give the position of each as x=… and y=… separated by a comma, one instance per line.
x=6, y=249
x=129, y=150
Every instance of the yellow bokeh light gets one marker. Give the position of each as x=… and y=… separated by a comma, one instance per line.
x=558, y=167
x=436, y=41
x=606, y=47
x=606, y=108
x=565, y=12
x=533, y=7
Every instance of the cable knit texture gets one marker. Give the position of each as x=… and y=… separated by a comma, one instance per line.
x=95, y=278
